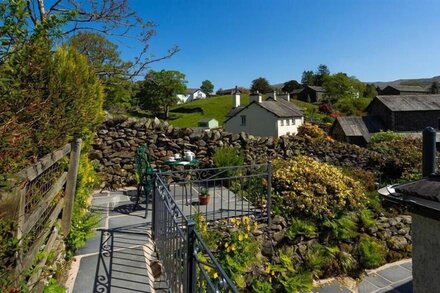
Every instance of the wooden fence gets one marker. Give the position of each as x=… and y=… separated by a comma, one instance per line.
x=46, y=195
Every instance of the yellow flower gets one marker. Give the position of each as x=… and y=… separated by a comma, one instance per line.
x=246, y=236
x=245, y=220
x=267, y=269
x=240, y=237
x=233, y=220
x=215, y=276
x=208, y=269
x=226, y=245
x=233, y=247
x=248, y=227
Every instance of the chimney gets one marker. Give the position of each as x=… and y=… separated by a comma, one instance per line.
x=274, y=95
x=255, y=97
x=235, y=98
x=288, y=97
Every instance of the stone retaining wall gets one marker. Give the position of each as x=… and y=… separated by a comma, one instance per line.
x=117, y=139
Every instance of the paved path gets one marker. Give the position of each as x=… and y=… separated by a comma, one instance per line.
x=121, y=265
x=394, y=278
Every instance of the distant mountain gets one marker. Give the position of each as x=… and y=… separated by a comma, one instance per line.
x=424, y=82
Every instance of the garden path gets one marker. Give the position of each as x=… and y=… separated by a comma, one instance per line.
x=394, y=278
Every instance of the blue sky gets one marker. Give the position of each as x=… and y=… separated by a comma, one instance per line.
x=235, y=41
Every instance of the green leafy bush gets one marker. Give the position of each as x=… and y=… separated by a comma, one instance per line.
x=366, y=218
x=384, y=136
x=262, y=287
x=352, y=106
x=343, y=228
x=227, y=156
x=372, y=252
x=306, y=187
x=300, y=227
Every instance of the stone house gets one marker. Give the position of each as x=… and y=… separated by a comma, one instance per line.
x=407, y=114
x=311, y=94
x=191, y=95
x=272, y=117
x=404, y=90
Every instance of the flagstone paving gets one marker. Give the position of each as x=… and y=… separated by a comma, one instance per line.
x=393, y=278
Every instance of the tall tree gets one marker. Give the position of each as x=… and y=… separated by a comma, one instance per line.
x=320, y=74
x=308, y=77
x=58, y=19
x=207, y=87
x=435, y=88
x=261, y=85
x=104, y=57
x=158, y=91
x=290, y=86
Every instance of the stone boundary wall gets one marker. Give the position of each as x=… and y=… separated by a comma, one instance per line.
x=117, y=139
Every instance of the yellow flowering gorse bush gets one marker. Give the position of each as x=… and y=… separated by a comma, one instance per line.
x=304, y=186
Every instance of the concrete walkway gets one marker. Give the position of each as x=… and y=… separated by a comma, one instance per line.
x=115, y=258
x=395, y=277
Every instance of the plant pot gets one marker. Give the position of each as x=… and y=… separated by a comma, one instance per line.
x=203, y=200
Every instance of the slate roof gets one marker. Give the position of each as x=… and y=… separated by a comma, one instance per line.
x=316, y=88
x=280, y=108
x=409, y=88
x=397, y=103
x=191, y=91
x=360, y=125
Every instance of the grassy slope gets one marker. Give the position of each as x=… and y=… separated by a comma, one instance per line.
x=187, y=115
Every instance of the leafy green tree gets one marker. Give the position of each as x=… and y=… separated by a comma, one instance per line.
x=60, y=19
x=340, y=85
x=370, y=91
x=435, y=88
x=308, y=77
x=158, y=91
x=104, y=57
x=207, y=87
x=290, y=86
x=261, y=85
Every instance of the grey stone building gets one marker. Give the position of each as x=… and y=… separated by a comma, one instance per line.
x=407, y=114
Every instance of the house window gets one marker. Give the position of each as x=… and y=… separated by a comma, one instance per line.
x=282, y=122
x=243, y=120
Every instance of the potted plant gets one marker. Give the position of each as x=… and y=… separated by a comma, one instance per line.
x=204, y=196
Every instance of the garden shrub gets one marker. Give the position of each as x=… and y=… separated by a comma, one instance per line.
x=343, y=228
x=262, y=287
x=227, y=156
x=351, y=106
x=306, y=187
x=384, y=136
x=300, y=227
x=312, y=131
x=366, y=218
x=47, y=98
x=404, y=152
x=372, y=252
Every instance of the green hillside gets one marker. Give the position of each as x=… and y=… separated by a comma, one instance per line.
x=187, y=115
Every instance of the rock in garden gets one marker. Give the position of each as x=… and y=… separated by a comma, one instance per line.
x=397, y=243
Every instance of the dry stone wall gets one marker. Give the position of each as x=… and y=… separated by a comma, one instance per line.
x=117, y=139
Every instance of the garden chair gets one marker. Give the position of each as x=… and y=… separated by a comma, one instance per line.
x=144, y=173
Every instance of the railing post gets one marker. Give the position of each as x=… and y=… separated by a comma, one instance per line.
x=191, y=264
x=153, y=210
x=269, y=191
x=72, y=175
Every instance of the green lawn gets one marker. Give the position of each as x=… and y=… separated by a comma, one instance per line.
x=187, y=115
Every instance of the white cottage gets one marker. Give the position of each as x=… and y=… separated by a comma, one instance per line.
x=191, y=95
x=272, y=117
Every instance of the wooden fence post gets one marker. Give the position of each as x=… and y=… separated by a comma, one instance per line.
x=69, y=197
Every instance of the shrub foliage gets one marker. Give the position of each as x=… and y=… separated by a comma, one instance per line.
x=304, y=186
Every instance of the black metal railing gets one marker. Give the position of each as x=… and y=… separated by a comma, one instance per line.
x=233, y=191
x=236, y=191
